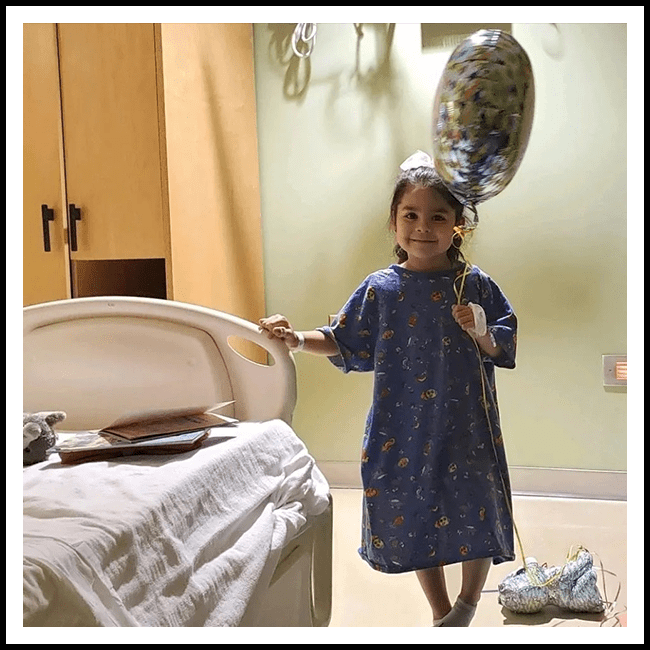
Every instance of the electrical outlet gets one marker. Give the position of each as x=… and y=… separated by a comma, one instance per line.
x=614, y=370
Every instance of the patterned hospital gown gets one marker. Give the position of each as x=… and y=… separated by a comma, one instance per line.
x=435, y=485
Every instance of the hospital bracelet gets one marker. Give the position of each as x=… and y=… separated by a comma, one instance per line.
x=301, y=342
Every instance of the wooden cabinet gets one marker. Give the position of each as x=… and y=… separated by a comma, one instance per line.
x=45, y=273
x=109, y=103
x=141, y=138
x=92, y=156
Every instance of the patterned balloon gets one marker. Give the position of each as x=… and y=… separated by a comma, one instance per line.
x=482, y=116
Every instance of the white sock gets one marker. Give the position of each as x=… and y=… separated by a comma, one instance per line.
x=461, y=615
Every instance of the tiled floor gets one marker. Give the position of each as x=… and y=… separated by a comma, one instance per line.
x=548, y=527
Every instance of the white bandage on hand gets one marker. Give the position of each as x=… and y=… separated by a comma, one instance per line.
x=480, y=322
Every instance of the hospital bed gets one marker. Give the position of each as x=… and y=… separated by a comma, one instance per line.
x=237, y=532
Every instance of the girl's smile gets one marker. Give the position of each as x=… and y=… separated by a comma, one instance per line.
x=424, y=228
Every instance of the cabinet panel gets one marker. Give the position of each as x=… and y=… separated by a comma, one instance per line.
x=45, y=274
x=150, y=131
x=111, y=139
x=211, y=140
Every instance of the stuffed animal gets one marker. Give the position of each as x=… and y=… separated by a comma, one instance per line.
x=38, y=434
x=572, y=586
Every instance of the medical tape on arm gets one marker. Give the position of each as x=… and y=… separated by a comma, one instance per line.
x=480, y=322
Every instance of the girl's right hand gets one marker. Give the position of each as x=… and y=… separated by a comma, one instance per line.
x=279, y=327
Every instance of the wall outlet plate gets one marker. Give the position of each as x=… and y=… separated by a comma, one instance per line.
x=614, y=370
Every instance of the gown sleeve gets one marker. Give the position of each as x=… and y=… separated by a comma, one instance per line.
x=354, y=330
x=501, y=321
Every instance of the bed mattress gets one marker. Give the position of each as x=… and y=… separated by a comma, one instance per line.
x=182, y=540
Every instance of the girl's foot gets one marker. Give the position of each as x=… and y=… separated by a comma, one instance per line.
x=461, y=615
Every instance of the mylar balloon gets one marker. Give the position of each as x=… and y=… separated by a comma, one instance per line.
x=482, y=116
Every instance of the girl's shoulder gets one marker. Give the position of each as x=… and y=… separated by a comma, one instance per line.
x=382, y=277
x=487, y=284
x=377, y=282
x=477, y=270
x=479, y=273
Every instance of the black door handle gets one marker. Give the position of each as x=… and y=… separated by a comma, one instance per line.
x=75, y=215
x=47, y=215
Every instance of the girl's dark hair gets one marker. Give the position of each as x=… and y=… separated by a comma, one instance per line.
x=427, y=177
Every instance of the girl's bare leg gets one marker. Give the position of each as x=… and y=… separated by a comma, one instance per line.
x=474, y=574
x=435, y=589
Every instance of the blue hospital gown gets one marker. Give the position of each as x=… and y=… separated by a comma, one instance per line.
x=436, y=488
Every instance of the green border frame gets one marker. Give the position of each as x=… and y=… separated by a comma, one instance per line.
x=632, y=15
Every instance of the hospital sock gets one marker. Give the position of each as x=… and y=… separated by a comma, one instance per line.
x=461, y=615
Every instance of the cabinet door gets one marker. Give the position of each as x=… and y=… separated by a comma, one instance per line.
x=45, y=274
x=111, y=140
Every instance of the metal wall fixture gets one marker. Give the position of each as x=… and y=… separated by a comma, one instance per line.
x=614, y=370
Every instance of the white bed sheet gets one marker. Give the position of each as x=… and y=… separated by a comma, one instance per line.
x=183, y=540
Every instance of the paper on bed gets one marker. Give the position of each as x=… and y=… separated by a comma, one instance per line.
x=156, y=423
x=167, y=541
x=148, y=415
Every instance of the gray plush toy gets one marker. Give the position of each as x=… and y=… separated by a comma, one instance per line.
x=38, y=434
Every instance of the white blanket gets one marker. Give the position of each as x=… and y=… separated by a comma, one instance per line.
x=183, y=540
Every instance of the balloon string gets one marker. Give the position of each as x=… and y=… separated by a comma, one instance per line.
x=459, y=292
x=609, y=613
x=459, y=296
x=529, y=572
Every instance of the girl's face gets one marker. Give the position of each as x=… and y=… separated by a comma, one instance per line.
x=424, y=227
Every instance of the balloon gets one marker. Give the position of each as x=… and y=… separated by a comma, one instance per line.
x=482, y=115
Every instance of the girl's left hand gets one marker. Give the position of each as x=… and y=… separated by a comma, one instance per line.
x=464, y=316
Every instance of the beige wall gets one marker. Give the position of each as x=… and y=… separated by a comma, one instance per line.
x=333, y=130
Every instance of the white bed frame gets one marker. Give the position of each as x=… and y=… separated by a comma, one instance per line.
x=88, y=357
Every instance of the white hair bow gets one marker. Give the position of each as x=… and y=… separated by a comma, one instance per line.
x=423, y=159
x=418, y=159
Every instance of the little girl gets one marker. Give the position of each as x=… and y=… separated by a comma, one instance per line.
x=434, y=472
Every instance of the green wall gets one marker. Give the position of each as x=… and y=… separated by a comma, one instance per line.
x=333, y=130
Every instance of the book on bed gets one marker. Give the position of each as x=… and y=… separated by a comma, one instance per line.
x=149, y=432
x=154, y=424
